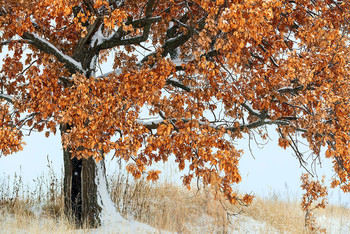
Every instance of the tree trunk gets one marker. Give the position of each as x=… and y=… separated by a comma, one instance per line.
x=81, y=203
x=86, y=197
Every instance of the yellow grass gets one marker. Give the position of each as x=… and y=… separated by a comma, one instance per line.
x=163, y=206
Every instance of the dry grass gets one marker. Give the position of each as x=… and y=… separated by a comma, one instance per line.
x=280, y=215
x=169, y=207
x=173, y=208
x=163, y=206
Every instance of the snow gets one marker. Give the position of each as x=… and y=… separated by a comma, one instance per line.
x=93, y=65
x=178, y=62
x=247, y=104
x=150, y=122
x=125, y=226
x=334, y=224
x=243, y=224
x=66, y=57
x=116, y=72
x=171, y=24
x=98, y=38
x=109, y=213
x=6, y=97
x=111, y=220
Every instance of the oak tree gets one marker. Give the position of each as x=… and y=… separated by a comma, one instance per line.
x=205, y=72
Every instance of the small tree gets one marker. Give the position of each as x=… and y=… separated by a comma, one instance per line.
x=315, y=191
x=207, y=71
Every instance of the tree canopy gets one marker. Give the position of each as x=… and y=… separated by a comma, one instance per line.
x=205, y=72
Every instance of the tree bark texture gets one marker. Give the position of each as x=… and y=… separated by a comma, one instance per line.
x=80, y=189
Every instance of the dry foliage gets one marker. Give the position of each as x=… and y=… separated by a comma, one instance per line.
x=315, y=192
x=226, y=67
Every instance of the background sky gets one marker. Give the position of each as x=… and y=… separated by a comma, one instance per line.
x=271, y=171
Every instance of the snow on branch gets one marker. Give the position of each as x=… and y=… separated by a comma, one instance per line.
x=3, y=43
x=145, y=23
x=115, y=72
x=151, y=124
x=250, y=109
x=175, y=42
x=154, y=124
x=178, y=84
x=6, y=97
x=44, y=45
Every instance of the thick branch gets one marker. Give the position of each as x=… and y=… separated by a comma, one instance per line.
x=3, y=43
x=173, y=43
x=91, y=30
x=259, y=123
x=72, y=65
x=140, y=23
x=178, y=85
x=290, y=89
x=250, y=110
x=146, y=23
x=6, y=97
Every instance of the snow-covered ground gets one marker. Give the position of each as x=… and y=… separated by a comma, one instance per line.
x=122, y=225
x=10, y=223
x=335, y=225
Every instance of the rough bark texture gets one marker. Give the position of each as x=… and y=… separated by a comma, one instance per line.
x=80, y=189
x=90, y=208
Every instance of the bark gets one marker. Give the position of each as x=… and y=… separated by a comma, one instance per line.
x=81, y=203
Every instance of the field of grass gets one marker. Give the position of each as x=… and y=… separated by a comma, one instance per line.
x=166, y=207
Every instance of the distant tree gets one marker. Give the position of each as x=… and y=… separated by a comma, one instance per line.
x=208, y=71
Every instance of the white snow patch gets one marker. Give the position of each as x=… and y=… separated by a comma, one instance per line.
x=116, y=72
x=98, y=38
x=171, y=24
x=109, y=213
x=111, y=220
x=251, y=107
x=178, y=62
x=150, y=122
x=334, y=224
x=243, y=224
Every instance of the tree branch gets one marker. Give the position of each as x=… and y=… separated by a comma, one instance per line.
x=177, y=84
x=72, y=65
x=178, y=41
x=6, y=97
x=5, y=43
x=146, y=23
x=152, y=125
